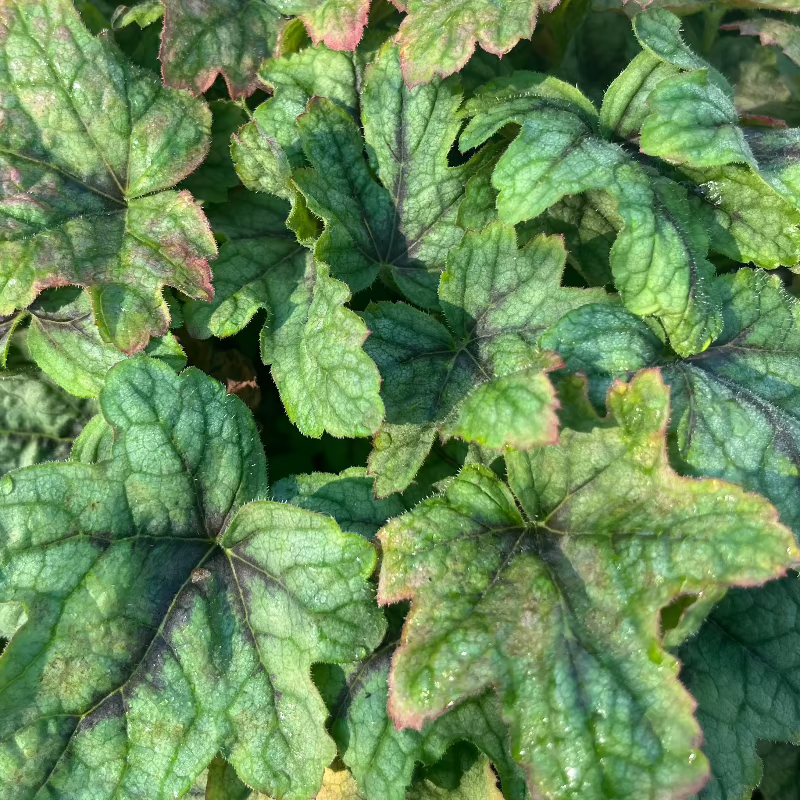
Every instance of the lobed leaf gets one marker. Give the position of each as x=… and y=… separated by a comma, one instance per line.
x=313, y=343
x=558, y=609
x=437, y=38
x=406, y=221
x=171, y=612
x=89, y=148
x=63, y=340
x=484, y=379
x=659, y=258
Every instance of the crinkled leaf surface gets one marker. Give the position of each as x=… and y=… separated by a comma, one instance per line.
x=437, y=37
x=405, y=222
x=684, y=110
x=382, y=759
x=558, y=609
x=348, y=497
x=483, y=379
x=734, y=407
x=38, y=421
x=210, y=37
x=65, y=343
x=172, y=613
x=89, y=146
x=659, y=258
x=311, y=340
x=742, y=669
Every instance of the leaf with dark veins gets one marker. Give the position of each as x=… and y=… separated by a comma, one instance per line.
x=172, y=613
x=484, y=378
x=89, y=147
x=557, y=607
x=406, y=221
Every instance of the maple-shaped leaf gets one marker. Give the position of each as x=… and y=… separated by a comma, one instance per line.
x=63, y=340
x=90, y=146
x=741, y=668
x=658, y=260
x=437, y=37
x=38, y=421
x=172, y=613
x=735, y=417
x=382, y=759
x=484, y=378
x=557, y=607
x=734, y=407
x=311, y=340
x=771, y=32
x=405, y=221
x=684, y=111
x=267, y=149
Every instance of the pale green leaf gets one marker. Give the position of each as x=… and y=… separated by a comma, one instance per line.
x=659, y=258
x=142, y=14
x=172, y=613
x=347, y=497
x=734, y=407
x=64, y=341
x=83, y=125
x=558, y=608
x=382, y=759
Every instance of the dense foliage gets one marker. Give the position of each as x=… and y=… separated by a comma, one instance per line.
x=505, y=292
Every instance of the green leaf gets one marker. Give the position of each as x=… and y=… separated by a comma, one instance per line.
x=778, y=155
x=311, y=340
x=437, y=37
x=382, y=759
x=38, y=421
x=558, y=608
x=484, y=379
x=747, y=220
x=107, y=139
x=694, y=121
x=294, y=80
x=741, y=669
x=347, y=497
x=689, y=118
x=659, y=258
x=734, y=407
x=65, y=343
x=229, y=38
x=172, y=613
x=405, y=222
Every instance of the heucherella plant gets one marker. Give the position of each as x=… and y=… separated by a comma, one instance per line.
x=505, y=292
